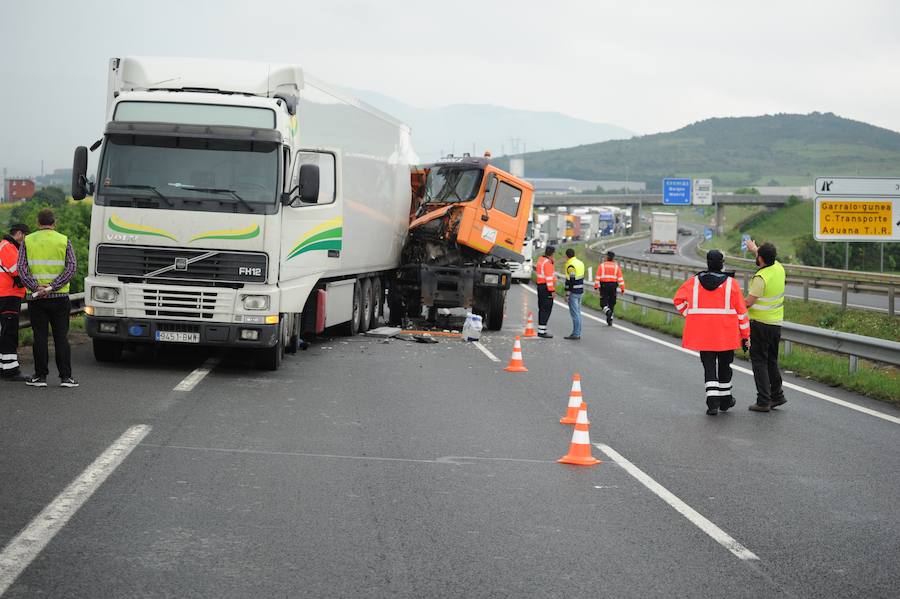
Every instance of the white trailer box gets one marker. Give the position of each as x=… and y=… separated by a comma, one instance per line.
x=200, y=231
x=664, y=233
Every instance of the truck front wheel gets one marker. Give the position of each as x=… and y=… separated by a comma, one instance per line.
x=269, y=358
x=496, y=303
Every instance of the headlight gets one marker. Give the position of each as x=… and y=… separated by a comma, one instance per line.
x=105, y=295
x=491, y=279
x=255, y=302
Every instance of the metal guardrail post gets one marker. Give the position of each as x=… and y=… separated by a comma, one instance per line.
x=843, y=295
x=746, y=282
x=668, y=318
x=891, y=294
x=788, y=347
x=854, y=363
x=805, y=290
x=671, y=272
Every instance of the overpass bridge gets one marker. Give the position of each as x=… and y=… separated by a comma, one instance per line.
x=637, y=201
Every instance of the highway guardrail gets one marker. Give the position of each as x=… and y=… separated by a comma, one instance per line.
x=77, y=300
x=849, y=344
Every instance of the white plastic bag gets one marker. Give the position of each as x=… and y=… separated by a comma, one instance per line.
x=471, y=330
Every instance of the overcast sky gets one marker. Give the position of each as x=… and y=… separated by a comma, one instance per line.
x=647, y=66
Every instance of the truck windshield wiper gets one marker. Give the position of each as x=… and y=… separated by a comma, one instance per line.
x=232, y=192
x=148, y=188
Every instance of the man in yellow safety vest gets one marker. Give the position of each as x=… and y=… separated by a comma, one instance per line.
x=574, y=291
x=765, y=303
x=46, y=265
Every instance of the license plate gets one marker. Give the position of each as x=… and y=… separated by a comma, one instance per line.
x=177, y=337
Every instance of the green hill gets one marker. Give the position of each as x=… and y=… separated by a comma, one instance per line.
x=781, y=149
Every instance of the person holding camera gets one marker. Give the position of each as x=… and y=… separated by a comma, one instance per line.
x=716, y=323
x=12, y=291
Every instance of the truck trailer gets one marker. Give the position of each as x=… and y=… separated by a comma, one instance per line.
x=663, y=233
x=245, y=205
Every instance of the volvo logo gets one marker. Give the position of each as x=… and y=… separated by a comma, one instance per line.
x=181, y=264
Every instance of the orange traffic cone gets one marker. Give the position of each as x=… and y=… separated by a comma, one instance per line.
x=575, y=400
x=529, y=328
x=580, y=448
x=516, y=364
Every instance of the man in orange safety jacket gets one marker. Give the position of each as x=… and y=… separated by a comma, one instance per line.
x=609, y=280
x=546, y=285
x=716, y=324
x=11, y=293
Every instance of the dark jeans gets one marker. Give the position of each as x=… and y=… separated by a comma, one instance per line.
x=53, y=313
x=9, y=335
x=717, y=374
x=608, y=295
x=764, y=340
x=545, y=307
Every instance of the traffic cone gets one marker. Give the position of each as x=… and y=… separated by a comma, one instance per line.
x=575, y=400
x=516, y=364
x=580, y=448
x=529, y=328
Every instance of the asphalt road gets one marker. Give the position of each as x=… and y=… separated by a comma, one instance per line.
x=687, y=255
x=372, y=469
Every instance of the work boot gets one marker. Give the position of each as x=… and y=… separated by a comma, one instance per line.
x=755, y=407
x=545, y=335
x=723, y=407
x=572, y=337
x=712, y=411
x=777, y=402
x=609, y=317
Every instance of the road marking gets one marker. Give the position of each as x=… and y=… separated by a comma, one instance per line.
x=486, y=351
x=28, y=544
x=191, y=380
x=452, y=459
x=795, y=387
x=697, y=519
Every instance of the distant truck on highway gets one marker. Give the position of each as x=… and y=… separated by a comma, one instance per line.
x=664, y=233
x=248, y=204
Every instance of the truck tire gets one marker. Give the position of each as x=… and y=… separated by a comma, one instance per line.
x=107, y=351
x=496, y=303
x=377, y=303
x=269, y=358
x=367, y=306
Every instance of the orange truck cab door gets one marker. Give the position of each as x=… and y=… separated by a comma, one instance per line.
x=496, y=225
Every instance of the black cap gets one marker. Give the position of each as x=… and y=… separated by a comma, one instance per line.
x=550, y=250
x=610, y=255
x=715, y=260
x=19, y=227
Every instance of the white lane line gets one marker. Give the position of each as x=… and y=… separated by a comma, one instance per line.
x=486, y=351
x=811, y=392
x=191, y=380
x=717, y=534
x=28, y=544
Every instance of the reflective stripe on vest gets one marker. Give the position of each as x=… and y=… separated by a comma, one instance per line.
x=545, y=273
x=46, y=253
x=727, y=309
x=608, y=272
x=578, y=265
x=770, y=307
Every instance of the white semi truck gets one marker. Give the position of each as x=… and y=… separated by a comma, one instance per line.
x=664, y=233
x=239, y=204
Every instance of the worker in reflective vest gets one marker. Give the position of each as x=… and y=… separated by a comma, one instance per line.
x=765, y=300
x=11, y=293
x=715, y=325
x=46, y=265
x=574, y=269
x=609, y=280
x=546, y=285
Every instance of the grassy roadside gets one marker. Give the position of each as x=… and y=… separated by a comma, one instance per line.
x=873, y=380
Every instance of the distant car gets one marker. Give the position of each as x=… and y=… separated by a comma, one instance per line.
x=685, y=231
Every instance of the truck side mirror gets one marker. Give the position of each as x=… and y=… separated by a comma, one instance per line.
x=80, y=185
x=309, y=183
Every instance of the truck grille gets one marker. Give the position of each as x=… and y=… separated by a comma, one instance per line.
x=160, y=302
x=178, y=264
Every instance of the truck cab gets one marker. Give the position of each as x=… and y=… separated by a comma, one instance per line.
x=469, y=223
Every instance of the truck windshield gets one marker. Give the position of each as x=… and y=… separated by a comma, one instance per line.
x=189, y=173
x=452, y=184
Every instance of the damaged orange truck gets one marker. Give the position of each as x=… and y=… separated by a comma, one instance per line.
x=468, y=223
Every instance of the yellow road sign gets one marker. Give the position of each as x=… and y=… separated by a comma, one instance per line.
x=857, y=219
